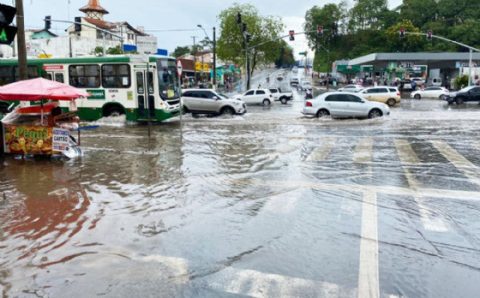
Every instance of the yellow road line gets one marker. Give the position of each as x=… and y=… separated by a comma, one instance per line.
x=459, y=161
x=406, y=153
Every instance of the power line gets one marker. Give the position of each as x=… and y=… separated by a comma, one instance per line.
x=172, y=30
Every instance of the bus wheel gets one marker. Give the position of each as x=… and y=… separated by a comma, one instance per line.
x=113, y=111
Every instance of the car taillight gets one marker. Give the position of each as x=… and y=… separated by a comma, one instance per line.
x=308, y=104
x=398, y=93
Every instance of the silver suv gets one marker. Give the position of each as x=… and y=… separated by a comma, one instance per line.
x=208, y=101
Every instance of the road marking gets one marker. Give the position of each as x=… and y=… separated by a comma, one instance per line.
x=321, y=153
x=363, y=151
x=458, y=160
x=368, y=277
x=389, y=190
x=254, y=283
x=406, y=153
x=407, y=156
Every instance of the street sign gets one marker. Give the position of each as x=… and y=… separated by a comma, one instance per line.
x=179, y=68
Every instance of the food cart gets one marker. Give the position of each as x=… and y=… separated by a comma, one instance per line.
x=42, y=129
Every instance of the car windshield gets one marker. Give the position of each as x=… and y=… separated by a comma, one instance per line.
x=223, y=96
x=466, y=89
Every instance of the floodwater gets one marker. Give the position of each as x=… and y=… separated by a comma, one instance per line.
x=269, y=204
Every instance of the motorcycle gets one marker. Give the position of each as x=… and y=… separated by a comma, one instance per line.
x=309, y=94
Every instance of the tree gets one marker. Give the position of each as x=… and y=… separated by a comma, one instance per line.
x=366, y=14
x=180, y=51
x=264, y=32
x=285, y=56
x=410, y=43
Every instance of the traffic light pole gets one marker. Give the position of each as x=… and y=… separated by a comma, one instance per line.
x=21, y=46
x=470, y=48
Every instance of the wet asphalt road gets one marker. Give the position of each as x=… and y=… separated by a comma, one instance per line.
x=269, y=204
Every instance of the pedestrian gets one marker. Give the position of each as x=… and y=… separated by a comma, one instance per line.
x=414, y=85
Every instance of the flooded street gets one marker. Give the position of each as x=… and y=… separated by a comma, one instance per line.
x=268, y=204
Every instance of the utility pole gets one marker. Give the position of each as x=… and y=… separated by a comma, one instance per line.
x=214, y=58
x=194, y=52
x=21, y=46
x=470, y=65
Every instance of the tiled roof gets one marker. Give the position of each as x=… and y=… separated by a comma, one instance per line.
x=93, y=5
x=100, y=23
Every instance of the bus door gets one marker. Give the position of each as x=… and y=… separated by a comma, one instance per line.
x=145, y=94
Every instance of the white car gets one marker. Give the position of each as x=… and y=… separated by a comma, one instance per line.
x=304, y=85
x=344, y=105
x=351, y=88
x=208, y=101
x=257, y=96
x=431, y=92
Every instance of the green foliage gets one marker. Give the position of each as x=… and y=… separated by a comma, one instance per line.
x=369, y=27
x=461, y=81
x=285, y=56
x=180, y=51
x=110, y=51
x=230, y=45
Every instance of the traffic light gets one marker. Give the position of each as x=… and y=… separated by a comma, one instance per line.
x=429, y=34
x=320, y=30
x=7, y=32
x=244, y=27
x=402, y=32
x=48, y=22
x=239, y=18
x=292, y=35
x=248, y=37
x=78, y=24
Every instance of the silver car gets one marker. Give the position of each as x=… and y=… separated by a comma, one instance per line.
x=208, y=101
x=344, y=105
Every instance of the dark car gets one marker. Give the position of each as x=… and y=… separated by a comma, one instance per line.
x=471, y=93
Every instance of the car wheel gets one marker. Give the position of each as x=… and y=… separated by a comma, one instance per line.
x=375, y=113
x=323, y=113
x=391, y=102
x=442, y=97
x=266, y=102
x=459, y=100
x=417, y=96
x=227, y=111
x=283, y=100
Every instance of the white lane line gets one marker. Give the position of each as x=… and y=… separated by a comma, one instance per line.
x=363, y=151
x=323, y=150
x=429, y=220
x=458, y=160
x=254, y=283
x=389, y=190
x=368, y=276
x=406, y=153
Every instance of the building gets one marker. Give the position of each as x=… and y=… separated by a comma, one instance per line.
x=95, y=32
x=444, y=65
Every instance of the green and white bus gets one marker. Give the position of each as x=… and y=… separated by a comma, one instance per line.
x=143, y=88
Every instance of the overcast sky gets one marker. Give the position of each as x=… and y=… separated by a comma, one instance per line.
x=168, y=14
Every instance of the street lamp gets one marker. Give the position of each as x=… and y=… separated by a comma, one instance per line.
x=214, y=46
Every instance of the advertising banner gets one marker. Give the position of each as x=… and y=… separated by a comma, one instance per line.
x=61, y=138
x=23, y=139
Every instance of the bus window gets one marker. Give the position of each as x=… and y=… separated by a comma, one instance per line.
x=84, y=76
x=116, y=76
x=140, y=84
x=59, y=77
x=150, y=82
x=49, y=76
x=32, y=72
x=6, y=75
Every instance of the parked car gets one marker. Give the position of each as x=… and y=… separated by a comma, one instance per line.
x=471, y=93
x=304, y=85
x=208, y=101
x=431, y=92
x=294, y=82
x=383, y=94
x=351, y=88
x=279, y=95
x=344, y=105
x=257, y=96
